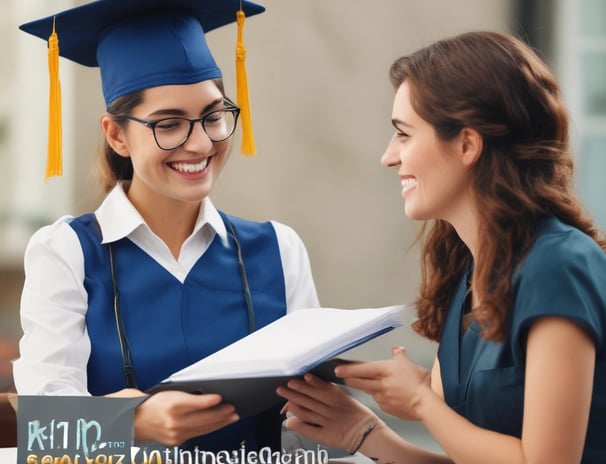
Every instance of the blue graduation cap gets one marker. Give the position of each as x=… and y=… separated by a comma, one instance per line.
x=139, y=44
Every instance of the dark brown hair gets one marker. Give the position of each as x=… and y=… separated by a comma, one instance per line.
x=112, y=166
x=498, y=86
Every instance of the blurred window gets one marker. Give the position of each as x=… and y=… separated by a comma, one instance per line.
x=581, y=53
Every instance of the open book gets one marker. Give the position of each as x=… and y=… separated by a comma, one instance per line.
x=247, y=372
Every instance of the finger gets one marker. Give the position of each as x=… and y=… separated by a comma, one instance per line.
x=126, y=393
x=314, y=388
x=197, y=405
x=398, y=351
x=301, y=400
x=208, y=420
x=309, y=380
x=203, y=401
x=366, y=385
x=307, y=415
x=284, y=409
x=223, y=418
x=363, y=370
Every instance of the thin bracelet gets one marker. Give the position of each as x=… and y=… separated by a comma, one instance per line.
x=370, y=428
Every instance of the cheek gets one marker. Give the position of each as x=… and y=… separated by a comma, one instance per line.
x=223, y=152
x=440, y=172
x=144, y=157
x=452, y=181
x=141, y=140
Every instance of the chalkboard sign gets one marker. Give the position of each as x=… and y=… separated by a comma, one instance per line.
x=75, y=429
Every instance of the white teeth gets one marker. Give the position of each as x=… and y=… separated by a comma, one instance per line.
x=189, y=167
x=408, y=183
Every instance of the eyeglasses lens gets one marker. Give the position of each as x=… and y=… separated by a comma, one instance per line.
x=173, y=132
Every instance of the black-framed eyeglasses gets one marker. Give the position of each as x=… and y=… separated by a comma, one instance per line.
x=171, y=133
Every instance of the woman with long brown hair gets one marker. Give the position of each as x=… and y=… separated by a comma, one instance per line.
x=513, y=273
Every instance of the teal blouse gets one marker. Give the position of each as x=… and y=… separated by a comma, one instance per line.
x=563, y=274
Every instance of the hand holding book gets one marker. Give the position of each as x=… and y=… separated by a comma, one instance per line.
x=247, y=372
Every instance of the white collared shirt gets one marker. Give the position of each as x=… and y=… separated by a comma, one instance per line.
x=55, y=346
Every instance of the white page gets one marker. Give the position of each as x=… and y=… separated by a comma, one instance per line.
x=292, y=343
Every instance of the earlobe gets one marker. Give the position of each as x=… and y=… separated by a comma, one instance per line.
x=114, y=135
x=471, y=145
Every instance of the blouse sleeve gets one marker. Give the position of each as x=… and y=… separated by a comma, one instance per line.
x=563, y=277
x=299, y=283
x=55, y=347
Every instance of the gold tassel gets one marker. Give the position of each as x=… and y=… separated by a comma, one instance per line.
x=53, y=161
x=248, y=140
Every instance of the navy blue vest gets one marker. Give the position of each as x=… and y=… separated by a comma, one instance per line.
x=170, y=324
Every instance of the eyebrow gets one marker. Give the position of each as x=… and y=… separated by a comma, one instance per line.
x=397, y=122
x=179, y=112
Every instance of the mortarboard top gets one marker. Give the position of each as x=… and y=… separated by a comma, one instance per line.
x=143, y=40
x=139, y=44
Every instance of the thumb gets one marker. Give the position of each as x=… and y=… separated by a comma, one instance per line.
x=398, y=351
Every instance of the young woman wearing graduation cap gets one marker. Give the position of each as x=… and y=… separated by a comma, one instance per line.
x=157, y=278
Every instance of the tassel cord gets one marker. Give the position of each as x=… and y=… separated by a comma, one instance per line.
x=54, y=156
x=248, y=142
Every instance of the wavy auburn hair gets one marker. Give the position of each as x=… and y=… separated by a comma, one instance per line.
x=498, y=86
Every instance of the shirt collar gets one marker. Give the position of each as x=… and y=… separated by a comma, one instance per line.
x=118, y=218
x=209, y=215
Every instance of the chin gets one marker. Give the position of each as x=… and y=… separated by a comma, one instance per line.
x=416, y=215
x=410, y=212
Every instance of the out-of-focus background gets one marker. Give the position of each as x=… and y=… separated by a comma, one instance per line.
x=321, y=103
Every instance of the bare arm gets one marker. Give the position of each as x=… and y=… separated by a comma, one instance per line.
x=559, y=378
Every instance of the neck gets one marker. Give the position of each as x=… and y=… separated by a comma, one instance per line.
x=467, y=227
x=173, y=221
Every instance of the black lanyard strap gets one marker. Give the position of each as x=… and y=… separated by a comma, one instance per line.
x=247, y=295
x=127, y=365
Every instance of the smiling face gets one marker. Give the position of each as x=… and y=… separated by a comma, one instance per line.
x=435, y=175
x=185, y=174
